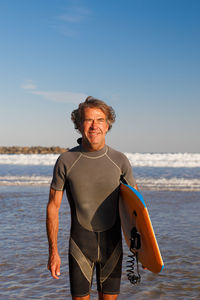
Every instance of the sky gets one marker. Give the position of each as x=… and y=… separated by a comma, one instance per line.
x=142, y=57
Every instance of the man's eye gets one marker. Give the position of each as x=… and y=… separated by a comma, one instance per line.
x=101, y=120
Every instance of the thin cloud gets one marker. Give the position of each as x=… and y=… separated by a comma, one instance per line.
x=68, y=23
x=29, y=85
x=64, y=30
x=64, y=97
x=56, y=96
x=75, y=15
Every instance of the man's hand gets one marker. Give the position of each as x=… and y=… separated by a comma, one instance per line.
x=54, y=265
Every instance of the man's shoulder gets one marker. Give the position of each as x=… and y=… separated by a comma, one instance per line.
x=119, y=159
x=70, y=154
x=116, y=155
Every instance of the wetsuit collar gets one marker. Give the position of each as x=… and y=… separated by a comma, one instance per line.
x=95, y=154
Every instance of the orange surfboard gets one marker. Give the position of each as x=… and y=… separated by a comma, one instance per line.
x=134, y=213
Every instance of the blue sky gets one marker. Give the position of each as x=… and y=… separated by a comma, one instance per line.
x=140, y=56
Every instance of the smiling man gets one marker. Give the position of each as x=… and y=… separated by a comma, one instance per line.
x=91, y=174
x=93, y=128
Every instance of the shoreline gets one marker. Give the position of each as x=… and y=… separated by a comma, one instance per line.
x=32, y=150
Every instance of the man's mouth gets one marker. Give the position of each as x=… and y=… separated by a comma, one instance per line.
x=93, y=133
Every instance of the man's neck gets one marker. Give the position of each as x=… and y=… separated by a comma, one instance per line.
x=92, y=148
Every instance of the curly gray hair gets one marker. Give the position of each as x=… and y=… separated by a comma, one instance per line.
x=91, y=102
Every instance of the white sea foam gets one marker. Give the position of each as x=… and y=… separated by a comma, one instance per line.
x=25, y=180
x=175, y=180
x=28, y=159
x=172, y=184
x=173, y=160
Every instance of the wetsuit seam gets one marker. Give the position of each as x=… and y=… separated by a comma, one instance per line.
x=126, y=180
x=74, y=164
x=95, y=157
x=114, y=163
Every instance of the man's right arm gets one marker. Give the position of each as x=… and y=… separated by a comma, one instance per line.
x=52, y=224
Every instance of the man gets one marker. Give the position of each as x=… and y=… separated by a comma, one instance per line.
x=90, y=173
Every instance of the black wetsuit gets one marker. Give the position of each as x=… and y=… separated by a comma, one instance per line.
x=92, y=180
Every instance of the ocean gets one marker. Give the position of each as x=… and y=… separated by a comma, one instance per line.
x=170, y=185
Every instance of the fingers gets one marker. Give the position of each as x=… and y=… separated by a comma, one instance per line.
x=54, y=266
x=55, y=271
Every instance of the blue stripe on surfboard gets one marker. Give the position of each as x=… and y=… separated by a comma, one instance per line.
x=137, y=194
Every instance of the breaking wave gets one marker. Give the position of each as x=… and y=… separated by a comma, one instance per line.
x=153, y=171
x=172, y=184
x=172, y=160
x=28, y=159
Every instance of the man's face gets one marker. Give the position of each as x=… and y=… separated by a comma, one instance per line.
x=93, y=129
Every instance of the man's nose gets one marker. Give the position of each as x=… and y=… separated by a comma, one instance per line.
x=94, y=124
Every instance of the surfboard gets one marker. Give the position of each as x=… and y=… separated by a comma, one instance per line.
x=134, y=214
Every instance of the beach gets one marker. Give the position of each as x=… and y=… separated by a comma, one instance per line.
x=173, y=205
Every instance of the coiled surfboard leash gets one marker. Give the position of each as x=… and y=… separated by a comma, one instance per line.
x=135, y=245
